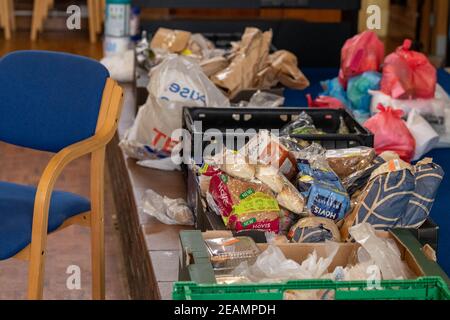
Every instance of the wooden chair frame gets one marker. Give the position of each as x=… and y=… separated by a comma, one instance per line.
x=109, y=114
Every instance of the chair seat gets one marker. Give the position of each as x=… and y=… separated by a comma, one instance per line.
x=16, y=214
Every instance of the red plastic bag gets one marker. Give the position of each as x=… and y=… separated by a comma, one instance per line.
x=324, y=102
x=408, y=74
x=391, y=133
x=364, y=52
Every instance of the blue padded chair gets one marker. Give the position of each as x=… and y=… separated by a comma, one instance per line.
x=68, y=105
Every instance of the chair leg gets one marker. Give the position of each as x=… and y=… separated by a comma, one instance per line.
x=97, y=225
x=4, y=4
x=12, y=16
x=91, y=19
x=35, y=19
x=36, y=267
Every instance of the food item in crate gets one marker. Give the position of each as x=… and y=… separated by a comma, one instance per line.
x=397, y=195
x=345, y=162
x=235, y=164
x=408, y=74
x=287, y=195
x=313, y=230
x=391, y=133
x=174, y=41
x=428, y=176
x=302, y=125
x=364, y=52
x=244, y=204
x=227, y=253
x=327, y=197
x=267, y=149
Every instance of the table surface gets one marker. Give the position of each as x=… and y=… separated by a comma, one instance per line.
x=162, y=241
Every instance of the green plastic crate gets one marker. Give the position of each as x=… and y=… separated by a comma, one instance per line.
x=425, y=288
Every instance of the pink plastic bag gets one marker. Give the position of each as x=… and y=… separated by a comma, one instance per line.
x=364, y=52
x=408, y=74
x=324, y=102
x=391, y=133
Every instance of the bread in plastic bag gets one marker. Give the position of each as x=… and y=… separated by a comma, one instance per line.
x=408, y=74
x=391, y=133
x=243, y=204
x=361, y=53
x=166, y=210
x=175, y=83
x=345, y=162
x=314, y=230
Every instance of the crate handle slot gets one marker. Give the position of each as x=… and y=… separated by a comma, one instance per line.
x=247, y=117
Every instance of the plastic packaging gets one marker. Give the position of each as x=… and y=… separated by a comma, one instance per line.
x=175, y=83
x=302, y=125
x=265, y=99
x=391, y=133
x=227, y=253
x=408, y=74
x=345, y=162
x=243, y=204
x=358, y=91
x=326, y=196
x=364, y=52
x=267, y=149
x=433, y=110
x=314, y=230
x=333, y=88
x=272, y=266
x=166, y=210
x=120, y=66
x=324, y=102
x=425, y=136
x=385, y=256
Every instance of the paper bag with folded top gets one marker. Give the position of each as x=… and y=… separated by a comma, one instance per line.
x=282, y=67
x=174, y=41
x=250, y=58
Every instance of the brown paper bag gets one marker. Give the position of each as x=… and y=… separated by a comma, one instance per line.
x=174, y=41
x=282, y=68
x=214, y=65
x=250, y=58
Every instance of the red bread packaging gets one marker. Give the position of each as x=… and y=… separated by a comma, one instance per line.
x=391, y=133
x=408, y=74
x=364, y=52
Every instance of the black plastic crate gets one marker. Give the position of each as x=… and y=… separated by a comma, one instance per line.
x=247, y=121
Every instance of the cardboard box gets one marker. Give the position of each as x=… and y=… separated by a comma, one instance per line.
x=195, y=265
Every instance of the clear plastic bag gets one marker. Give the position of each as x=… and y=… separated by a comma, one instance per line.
x=385, y=254
x=166, y=210
x=264, y=99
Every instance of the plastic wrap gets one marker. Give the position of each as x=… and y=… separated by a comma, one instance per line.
x=166, y=210
x=408, y=74
x=272, y=266
x=358, y=91
x=263, y=99
x=302, y=125
x=345, y=162
x=386, y=257
x=227, y=253
x=314, y=230
x=364, y=52
x=391, y=133
x=244, y=204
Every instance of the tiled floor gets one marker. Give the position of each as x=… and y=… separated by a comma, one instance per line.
x=70, y=246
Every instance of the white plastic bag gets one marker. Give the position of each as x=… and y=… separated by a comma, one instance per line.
x=120, y=66
x=424, y=134
x=272, y=265
x=430, y=109
x=385, y=255
x=166, y=210
x=175, y=83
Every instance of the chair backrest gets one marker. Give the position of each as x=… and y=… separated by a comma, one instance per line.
x=49, y=100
